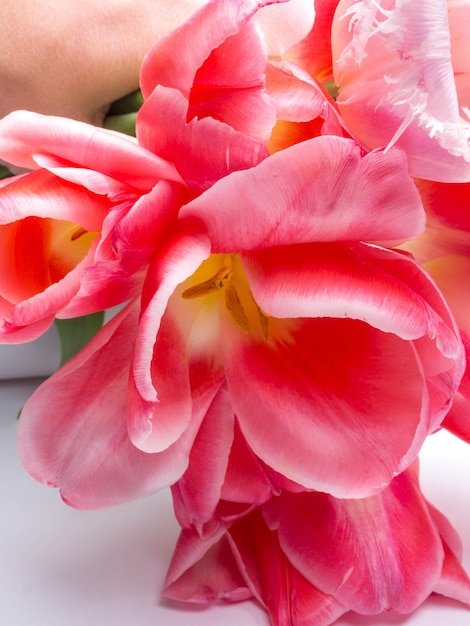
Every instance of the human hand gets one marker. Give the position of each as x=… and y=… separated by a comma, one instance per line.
x=75, y=58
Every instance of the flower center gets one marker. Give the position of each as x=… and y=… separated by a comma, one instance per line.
x=229, y=281
x=37, y=252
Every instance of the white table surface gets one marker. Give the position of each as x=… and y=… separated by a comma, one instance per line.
x=62, y=567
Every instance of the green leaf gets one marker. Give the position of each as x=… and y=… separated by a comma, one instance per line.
x=124, y=123
x=75, y=333
x=4, y=172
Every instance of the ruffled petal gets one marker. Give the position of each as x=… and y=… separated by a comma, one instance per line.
x=393, y=66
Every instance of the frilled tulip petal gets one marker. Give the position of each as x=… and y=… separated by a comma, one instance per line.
x=325, y=189
x=390, y=554
x=24, y=134
x=204, y=571
x=393, y=66
x=86, y=452
x=163, y=129
x=212, y=24
x=288, y=597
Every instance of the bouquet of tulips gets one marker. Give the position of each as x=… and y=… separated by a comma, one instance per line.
x=288, y=242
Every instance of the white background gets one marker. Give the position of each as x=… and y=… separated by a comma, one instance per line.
x=62, y=567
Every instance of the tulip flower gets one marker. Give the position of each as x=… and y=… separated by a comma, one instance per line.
x=308, y=557
x=233, y=66
x=72, y=241
x=444, y=250
x=339, y=356
x=403, y=75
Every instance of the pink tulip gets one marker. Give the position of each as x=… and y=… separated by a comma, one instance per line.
x=320, y=340
x=231, y=70
x=403, y=74
x=71, y=231
x=308, y=557
x=306, y=326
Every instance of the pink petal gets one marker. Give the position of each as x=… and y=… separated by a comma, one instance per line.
x=296, y=96
x=454, y=582
x=160, y=370
x=323, y=382
x=230, y=85
x=325, y=406
x=396, y=84
x=285, y=24
x=390, y=554
x=86, y=452
x=195, y=39
x=288, y=597
x=204, y=571
x=162, y=128
x=41, y=194
x=24, y=134
x=339, y=194
x=382, y=287
x=198, y=492
x=314, y=51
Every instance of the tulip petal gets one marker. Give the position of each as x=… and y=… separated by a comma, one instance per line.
x=204, y=571
x=198, y=492
x=87, y=452
x=212, y=25
x=326, y=413
x=382, y=287
x=24, y=134
x=288, y=597
x=162, y=127
x=393, y=66
x=389, y=556
x=338, y=194
x=161, y=404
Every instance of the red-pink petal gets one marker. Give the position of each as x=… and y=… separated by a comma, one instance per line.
x=162, y=127
x=204, y=571
x=389, y=556
x=24, y=134
x=195, y=39
x=289, y=598
x=161, y=405
x=338, y=194
x=86, y=451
